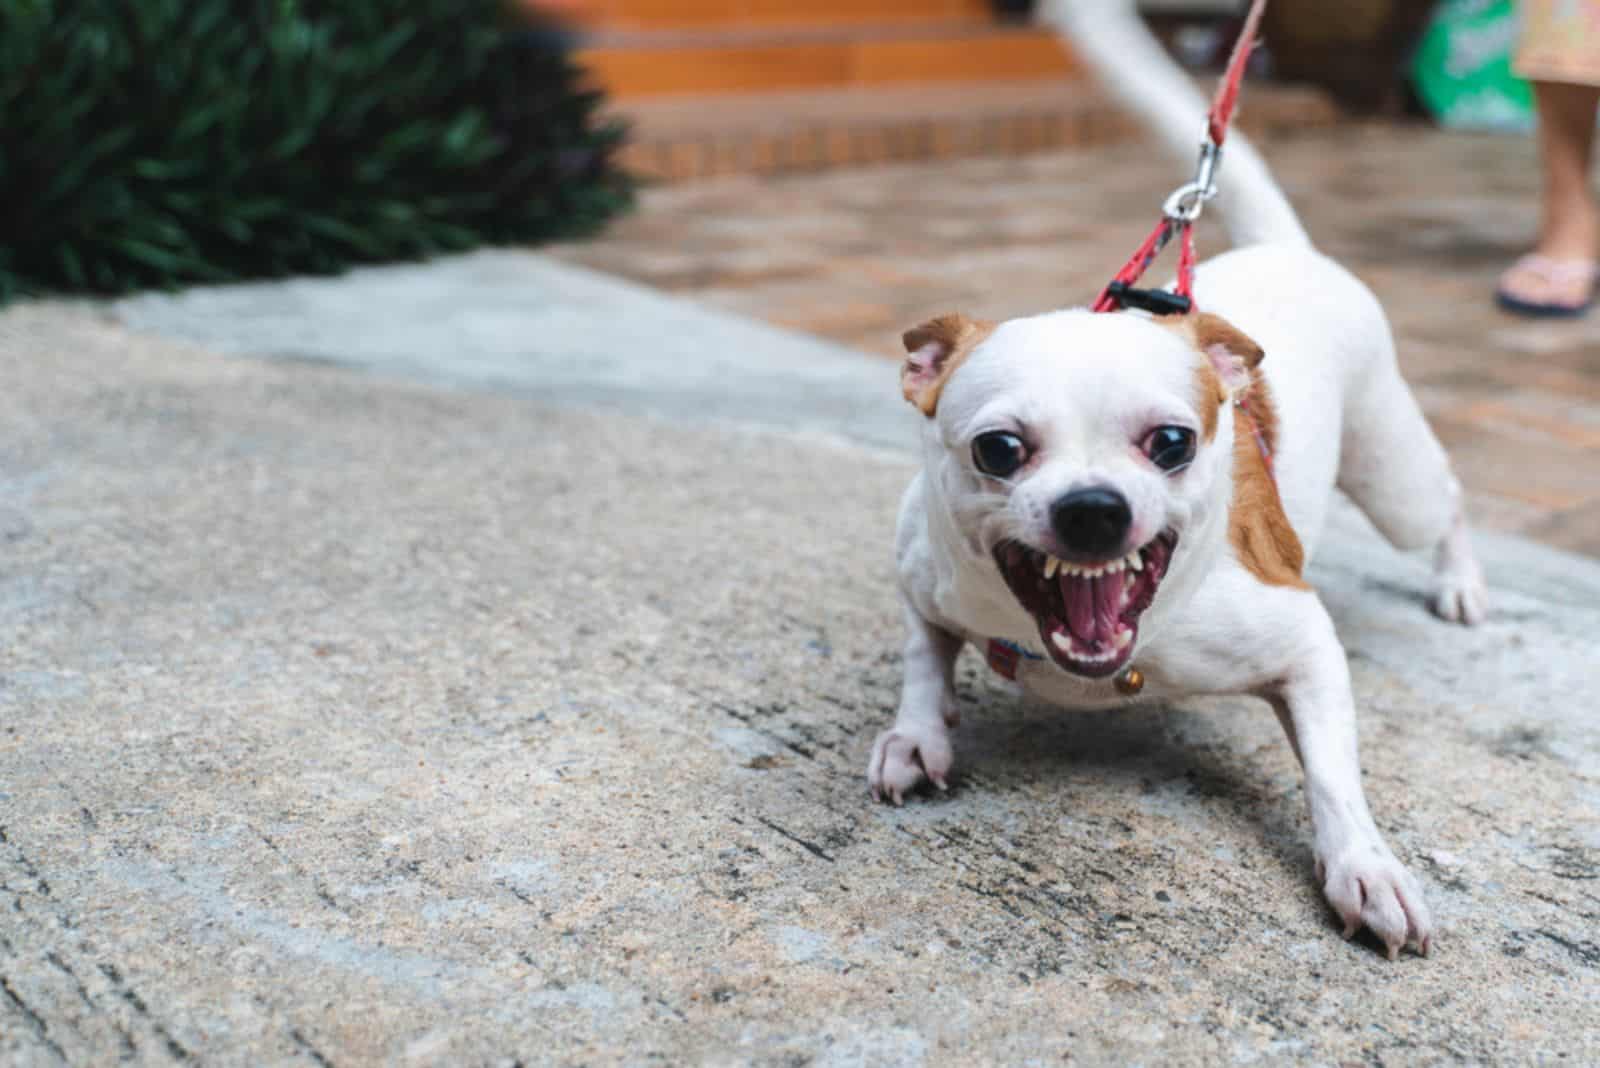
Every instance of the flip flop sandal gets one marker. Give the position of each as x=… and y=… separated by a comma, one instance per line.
x=1555, y=274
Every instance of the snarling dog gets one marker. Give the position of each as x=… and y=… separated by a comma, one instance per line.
x=1109, y=492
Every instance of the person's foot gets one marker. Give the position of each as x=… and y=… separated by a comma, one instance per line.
x=1544, y=286
x=1558, y=278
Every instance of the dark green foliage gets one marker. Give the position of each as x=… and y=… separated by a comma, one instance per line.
x=155, y=142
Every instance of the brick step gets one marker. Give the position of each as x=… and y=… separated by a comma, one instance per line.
x=682, y=138
x=653, y=14
x=630, y=65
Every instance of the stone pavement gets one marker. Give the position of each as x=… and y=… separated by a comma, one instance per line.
x=1427, y=218
x=346, y=719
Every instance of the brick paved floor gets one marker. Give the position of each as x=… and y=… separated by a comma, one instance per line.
x=1426, y=218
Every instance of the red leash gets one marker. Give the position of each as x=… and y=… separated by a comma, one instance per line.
x=1183, y=207
x=1180, y=211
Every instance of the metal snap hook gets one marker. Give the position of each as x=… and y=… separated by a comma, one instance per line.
x=1188, y=200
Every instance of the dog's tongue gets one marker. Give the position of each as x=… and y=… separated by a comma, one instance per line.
x=1094, y=605
x=1078, y=594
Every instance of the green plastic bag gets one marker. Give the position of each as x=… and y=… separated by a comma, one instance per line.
x=1462, y=69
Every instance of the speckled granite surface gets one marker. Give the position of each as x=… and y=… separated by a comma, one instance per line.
x=350, y=721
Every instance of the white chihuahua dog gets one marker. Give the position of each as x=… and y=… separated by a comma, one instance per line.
x=1120, y=499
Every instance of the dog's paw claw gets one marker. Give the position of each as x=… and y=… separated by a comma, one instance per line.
x=1369, y=888
x=1463, y=600
x=1460, y=593
x=902, y=757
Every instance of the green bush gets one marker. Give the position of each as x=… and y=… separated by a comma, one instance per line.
x=157, y=142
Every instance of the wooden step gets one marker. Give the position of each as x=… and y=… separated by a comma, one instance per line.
x=655, y=14
x=682, y=138
x=633, y=65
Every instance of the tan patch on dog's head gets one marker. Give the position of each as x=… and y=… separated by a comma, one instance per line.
x=933, y=351
x=1258, y=528
x=1212, y=395
x=1231, y=358
x=1230, y=372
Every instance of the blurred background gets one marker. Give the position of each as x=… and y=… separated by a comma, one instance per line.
x=844, y=168
x=775, y=85
x=170, y=142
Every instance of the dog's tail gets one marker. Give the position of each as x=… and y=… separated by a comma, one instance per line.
x=1131, y=63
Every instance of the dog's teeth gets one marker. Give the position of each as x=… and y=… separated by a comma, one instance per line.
x=1050, y=566
x=1134, y=561
x=1061, y=641
x=1124, y=639
x=1112, y=569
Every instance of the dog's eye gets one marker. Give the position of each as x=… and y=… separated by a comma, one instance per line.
x=1170, y=447
x=999, y=453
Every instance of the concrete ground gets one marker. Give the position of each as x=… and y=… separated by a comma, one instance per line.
x=519, y=715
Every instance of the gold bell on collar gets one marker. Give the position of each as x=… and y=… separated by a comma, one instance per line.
x=1129, y=682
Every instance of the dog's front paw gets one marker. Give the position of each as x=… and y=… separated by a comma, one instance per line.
x=905, y=755
x=1461, y=598
x=1369, y=888
x=1460, y=594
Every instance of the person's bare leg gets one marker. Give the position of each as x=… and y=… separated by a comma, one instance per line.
x=1569, y=228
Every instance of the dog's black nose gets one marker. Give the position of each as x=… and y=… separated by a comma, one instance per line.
x=1091, y=522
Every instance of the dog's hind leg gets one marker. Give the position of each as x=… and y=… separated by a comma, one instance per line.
x=1393, y=467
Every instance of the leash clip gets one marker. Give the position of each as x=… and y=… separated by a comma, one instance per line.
x=1189, y=199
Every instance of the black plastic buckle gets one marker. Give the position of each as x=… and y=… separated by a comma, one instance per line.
x=1154, y=301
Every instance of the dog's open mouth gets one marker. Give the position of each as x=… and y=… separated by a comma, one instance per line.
x=1088, y=614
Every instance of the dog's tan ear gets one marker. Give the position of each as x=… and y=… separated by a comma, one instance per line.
x=933, y=351
x=1232, y=354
